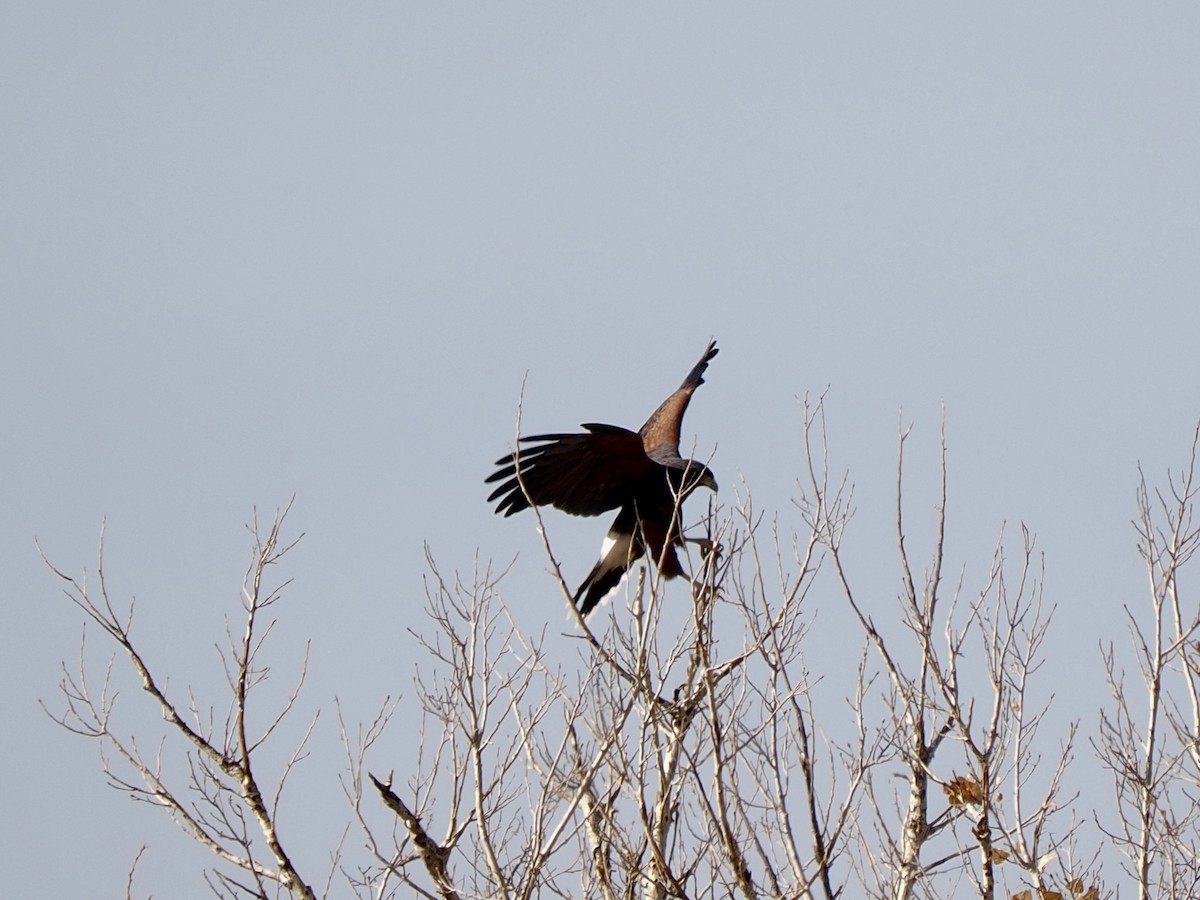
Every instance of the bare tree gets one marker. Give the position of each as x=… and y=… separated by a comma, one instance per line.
x=658, y=767
x=667, y=763
x=1153, y=751
x=686, y=750
x=938, y=710
x=221, y=800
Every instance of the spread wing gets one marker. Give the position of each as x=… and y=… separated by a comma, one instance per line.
x=660, y=434
x=581, y=474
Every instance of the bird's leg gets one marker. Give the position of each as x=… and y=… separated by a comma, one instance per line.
x=707, y=547
x=710, y=552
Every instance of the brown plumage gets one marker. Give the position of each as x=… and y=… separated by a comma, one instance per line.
x=607, y=467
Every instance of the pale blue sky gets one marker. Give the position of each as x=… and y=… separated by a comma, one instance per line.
x=251, y=251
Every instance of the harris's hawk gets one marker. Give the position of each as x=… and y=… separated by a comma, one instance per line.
x=640, y=473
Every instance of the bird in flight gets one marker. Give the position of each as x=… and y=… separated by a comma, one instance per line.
x=640, y=473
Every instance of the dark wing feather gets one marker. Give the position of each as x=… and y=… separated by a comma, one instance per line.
x=581, y=474
x=661, y=431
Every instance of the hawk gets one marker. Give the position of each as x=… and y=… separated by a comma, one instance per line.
x=640, y=473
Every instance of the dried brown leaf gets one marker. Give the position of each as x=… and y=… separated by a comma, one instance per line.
x=962, y=789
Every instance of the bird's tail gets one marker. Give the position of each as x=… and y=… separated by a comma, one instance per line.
x=619, y=553
x=596, y=586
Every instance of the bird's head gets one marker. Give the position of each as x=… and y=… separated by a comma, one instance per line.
x=690, y=475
